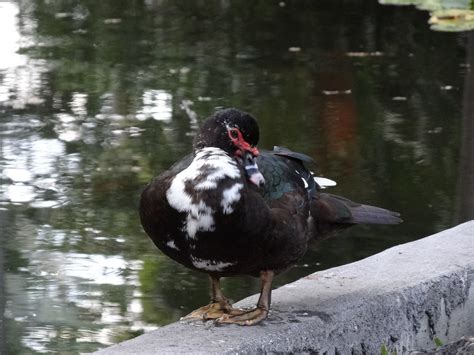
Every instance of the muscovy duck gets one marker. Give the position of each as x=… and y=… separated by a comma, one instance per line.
x=228, y=209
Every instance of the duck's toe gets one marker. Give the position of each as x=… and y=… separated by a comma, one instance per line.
x=249, y=317
x=213, y=310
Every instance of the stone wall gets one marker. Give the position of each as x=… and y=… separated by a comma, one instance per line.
x=402, y=298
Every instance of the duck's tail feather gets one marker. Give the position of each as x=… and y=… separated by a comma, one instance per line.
x=333, y=209
x=365, y=214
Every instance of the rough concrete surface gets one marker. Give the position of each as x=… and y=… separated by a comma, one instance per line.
x=402, y=298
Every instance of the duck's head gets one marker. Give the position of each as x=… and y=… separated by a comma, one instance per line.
x=236, y=132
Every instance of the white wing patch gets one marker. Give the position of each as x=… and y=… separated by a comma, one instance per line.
x=209, y=166
x=324, y=182
x=305, y=183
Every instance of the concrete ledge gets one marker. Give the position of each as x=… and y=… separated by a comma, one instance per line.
x=403, y=297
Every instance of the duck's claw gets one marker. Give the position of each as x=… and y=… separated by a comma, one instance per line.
x=250, y=317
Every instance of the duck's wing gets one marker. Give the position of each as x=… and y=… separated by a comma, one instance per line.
x=284, y=173
x=285, y=152
x=321, y=182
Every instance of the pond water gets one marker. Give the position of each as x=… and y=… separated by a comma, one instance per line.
x=97, y=97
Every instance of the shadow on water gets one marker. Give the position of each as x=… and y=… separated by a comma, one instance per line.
x=96, y=97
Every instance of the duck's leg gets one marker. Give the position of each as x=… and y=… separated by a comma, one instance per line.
x=260, y=312
x=217, y=308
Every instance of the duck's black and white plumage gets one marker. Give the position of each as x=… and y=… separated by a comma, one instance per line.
x=228, y=209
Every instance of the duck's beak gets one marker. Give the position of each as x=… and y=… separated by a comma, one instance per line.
x=251, y=169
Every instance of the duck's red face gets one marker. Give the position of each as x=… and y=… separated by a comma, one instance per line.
x=240, y=143
x=246, y=155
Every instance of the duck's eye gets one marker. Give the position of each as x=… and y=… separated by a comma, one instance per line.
x=234, y=133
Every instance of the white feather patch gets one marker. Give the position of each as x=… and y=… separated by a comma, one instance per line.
x=209, y=166
x=210, y=265
x=305, y=183
x=172, y=245
x=229, y=197
x=324, y=182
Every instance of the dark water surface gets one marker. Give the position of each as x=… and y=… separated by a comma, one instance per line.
x=96, y=97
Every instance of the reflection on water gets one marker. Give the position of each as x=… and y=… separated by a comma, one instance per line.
x=98, y=97
x=156, y=105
